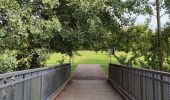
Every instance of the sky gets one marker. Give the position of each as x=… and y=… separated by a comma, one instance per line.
x=164, y=19
x=153, y=24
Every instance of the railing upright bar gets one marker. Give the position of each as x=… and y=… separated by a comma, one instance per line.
x=141, y=85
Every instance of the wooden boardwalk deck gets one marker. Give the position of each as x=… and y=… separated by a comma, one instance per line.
x=89, y=83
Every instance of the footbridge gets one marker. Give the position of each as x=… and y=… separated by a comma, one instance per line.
x=87, y=83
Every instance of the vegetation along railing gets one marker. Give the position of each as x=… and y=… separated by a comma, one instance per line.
x=34, y=84
x=140, y=84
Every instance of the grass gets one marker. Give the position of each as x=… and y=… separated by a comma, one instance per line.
x=90, y=57
x=84, y=57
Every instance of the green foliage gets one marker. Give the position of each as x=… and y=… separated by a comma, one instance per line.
x=166, y=47
x=167, y=5
x=31, y=59
x=32, y=28
x=7, y=61
x=61, y=60
x=26, y=27
x=142, y=43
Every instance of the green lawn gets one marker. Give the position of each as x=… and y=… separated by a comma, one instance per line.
x=85, y=57
x=88, y=57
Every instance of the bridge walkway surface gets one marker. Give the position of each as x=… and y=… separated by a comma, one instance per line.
x=88, y=83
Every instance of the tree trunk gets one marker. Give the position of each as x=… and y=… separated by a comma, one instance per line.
x=160, y=52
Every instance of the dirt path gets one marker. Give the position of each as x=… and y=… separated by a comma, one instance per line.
x=89, y=83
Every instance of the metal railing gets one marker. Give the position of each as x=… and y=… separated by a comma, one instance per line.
x=34, y=84
x=140, y=84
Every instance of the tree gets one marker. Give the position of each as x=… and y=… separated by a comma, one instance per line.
x=26, y=28
x=31, y=27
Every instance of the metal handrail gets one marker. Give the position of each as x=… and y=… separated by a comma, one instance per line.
x=139, y=68
x=30, y=70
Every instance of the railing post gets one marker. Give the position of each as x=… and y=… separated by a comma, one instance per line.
x=162, y=87
x=41, y=87
x=141, y=85
x=153, y=84
x=122, y=79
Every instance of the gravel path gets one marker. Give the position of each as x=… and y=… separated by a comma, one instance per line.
x=89, y=83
